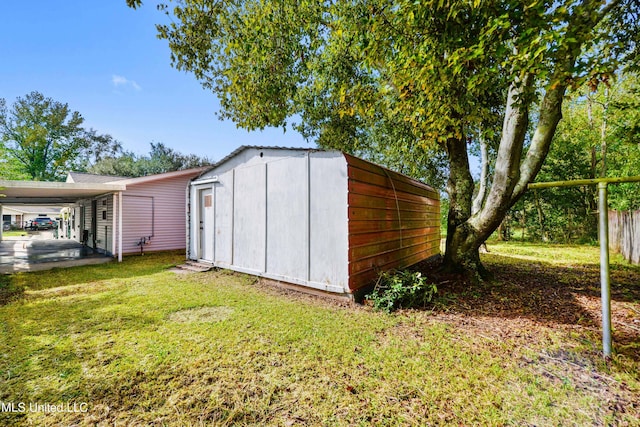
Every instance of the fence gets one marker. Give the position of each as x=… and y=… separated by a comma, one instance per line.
x=624, y=234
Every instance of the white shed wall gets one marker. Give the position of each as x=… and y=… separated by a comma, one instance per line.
x=329, y=231
x=287, y=213
x=249, y=217
x=223, y=219
x=280, y=214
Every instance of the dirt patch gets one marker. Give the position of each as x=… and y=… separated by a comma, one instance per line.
x=300, y=293
x=556, y=296
x=201, y=315
x=569, y=369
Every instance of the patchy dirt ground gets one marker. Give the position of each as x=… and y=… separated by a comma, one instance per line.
x=531, y=293
x=558, y=296
x=524, y=305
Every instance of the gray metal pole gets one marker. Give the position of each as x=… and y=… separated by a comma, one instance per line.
x=605, y=289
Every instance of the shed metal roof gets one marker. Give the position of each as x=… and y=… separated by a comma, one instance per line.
x=260, y=147
x=242, y=148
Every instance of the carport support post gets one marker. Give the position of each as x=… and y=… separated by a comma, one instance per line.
x=114, y=225
x=605, y=288
x=119, y=226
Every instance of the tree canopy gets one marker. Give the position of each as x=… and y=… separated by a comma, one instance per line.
x=598, y=136
x=412, y=77
x=42, y=139
x=159, y=160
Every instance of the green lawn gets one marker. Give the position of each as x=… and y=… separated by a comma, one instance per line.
x=135, y=344
x=14, y=233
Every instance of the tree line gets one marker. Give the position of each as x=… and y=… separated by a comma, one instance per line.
x=42, y=139
x=599, y=136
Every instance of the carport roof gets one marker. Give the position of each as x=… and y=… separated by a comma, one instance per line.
x=40, y=192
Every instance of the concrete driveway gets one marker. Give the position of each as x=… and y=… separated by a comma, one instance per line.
x=40, y=251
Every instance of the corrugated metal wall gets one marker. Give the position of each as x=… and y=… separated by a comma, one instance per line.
x=394, y=221
x=321, y=219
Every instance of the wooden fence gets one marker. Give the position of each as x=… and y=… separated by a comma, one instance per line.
x=624, y=234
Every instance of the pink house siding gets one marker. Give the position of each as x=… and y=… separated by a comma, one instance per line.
x=155, y=209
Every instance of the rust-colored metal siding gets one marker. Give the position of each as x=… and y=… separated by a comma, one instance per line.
x=394, y=221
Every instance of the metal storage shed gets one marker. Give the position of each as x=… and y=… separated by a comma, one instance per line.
x=320, y=219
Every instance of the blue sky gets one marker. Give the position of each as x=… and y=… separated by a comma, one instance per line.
x=104, y=60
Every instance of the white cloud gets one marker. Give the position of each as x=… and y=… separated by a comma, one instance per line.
x=123, y=81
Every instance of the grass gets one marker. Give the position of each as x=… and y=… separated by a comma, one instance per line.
x=14, y=233
x=135, y=344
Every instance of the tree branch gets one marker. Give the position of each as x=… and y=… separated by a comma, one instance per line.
x=484, y=176
x=507, y=172
x=578, y=30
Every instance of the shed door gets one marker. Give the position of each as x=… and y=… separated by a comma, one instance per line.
x=206, y=225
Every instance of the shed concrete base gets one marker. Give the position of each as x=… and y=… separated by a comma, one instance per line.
x=306, y=290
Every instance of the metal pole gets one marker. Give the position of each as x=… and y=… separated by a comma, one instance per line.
x=605, y=289
x=119, y=226
x=114, y=227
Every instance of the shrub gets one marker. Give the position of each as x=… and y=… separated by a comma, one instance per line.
x=401, y=289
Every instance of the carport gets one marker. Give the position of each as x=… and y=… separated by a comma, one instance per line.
x=22, y=252
x=33, y=252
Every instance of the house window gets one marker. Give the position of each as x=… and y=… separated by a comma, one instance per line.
x=104, y=214
x=208, y=201
x=104, y=202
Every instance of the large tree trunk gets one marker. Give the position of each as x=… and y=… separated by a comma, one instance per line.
x=466, y=231
x=462, y=254
x=514, y=169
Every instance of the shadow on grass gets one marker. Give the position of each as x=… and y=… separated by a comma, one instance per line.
x=545, y=293
x=60, y=349
x=9, y=291
x=13, y=286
